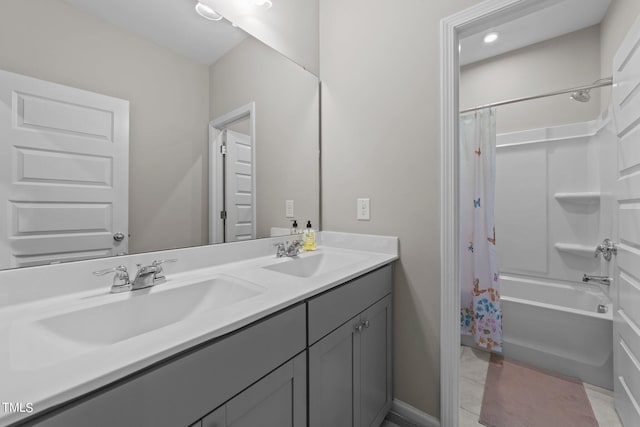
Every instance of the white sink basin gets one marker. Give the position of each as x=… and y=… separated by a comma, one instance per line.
x=314, y=264
x=147, y=311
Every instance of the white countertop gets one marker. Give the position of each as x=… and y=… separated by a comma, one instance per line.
x=46, y=371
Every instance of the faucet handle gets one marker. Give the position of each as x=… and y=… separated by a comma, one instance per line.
x=158, y=266
x=119, y=270
x=121, y=281
x=280, y=249
x=163, y=261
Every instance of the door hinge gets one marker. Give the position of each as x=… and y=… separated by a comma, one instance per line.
x=223, y=214
x=223, y=149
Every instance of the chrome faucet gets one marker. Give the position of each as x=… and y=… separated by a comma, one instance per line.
x=294, y=248
x=149, y=275
x=146, y=276
x=288, y=249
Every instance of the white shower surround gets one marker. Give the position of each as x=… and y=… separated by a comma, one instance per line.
x=553, y=201
x=553, y=206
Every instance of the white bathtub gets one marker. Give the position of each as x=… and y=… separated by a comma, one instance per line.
x=556, y=327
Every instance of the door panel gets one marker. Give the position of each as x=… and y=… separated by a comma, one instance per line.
x=63, y=170
x=240, y=188
x=626, y=107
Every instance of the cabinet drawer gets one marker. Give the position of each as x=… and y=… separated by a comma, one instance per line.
x=177, y=392
x=331, y=309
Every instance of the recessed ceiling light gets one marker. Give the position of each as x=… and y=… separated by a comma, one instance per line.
x=207, y=12
x=490, y=38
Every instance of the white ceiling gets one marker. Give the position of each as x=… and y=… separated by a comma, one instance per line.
x=173, y=24
x=553, y=21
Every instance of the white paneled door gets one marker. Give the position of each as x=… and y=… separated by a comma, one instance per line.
x=626, y=107
x=64, y=173
x=240, y=222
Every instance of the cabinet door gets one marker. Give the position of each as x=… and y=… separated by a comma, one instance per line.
x=277, y=400
x=375, y=364
x=217, y=418
x=331, y=377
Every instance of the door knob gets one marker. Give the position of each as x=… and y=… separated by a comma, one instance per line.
x=118, y=237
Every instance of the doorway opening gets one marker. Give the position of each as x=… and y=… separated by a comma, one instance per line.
x=232, y=176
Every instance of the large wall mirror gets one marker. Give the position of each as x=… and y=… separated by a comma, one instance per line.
x=136, y=126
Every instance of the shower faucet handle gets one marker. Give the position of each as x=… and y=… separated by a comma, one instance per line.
x=607, y=248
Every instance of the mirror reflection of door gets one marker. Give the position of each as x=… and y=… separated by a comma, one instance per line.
x=233, y=179
x=239, y=222
x=64, y=172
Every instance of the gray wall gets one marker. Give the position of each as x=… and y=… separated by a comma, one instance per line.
x=169, y=102
x=287, y=133
x=563, y=62
x=620, y=17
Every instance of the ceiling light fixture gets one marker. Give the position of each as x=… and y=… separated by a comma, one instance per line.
x=263, y=3
x=490, y=38
x=207, y=12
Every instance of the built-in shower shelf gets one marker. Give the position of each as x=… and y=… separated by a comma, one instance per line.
x=584, y=198
x=575, y=249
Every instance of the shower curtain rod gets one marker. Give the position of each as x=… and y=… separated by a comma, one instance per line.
x=598, y=83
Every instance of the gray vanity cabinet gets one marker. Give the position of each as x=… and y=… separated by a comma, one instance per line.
x=350, y=382
x=322, y=363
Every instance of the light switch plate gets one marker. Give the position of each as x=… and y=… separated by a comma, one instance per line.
x=289, y=208
x=363, y=213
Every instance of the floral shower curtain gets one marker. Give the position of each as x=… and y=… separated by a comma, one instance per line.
x=480, y=314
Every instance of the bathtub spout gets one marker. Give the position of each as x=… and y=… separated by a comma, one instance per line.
x=603, y=280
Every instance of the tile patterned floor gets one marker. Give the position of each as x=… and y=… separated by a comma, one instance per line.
x=473, y=371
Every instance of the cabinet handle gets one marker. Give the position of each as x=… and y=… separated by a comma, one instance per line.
x=359, y=328
x=365, y=323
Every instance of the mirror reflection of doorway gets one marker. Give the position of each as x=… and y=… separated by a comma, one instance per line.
x=232, y=179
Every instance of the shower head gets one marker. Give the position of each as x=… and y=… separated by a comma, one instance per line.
x=583, y=95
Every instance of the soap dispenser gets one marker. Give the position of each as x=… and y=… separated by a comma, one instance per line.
x=309, y=238
x=294, y=227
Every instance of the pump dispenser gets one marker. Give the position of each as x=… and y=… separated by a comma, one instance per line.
x=294, y=227
x=309, y=238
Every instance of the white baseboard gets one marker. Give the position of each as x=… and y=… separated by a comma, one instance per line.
x=413, y=415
